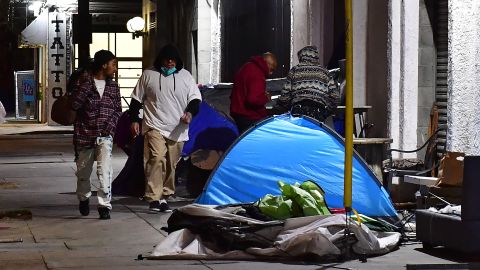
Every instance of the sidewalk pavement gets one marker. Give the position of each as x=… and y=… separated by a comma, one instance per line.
x=11, y=128
x=37, y=173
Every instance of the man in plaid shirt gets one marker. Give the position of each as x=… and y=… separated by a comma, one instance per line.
x=97, y=102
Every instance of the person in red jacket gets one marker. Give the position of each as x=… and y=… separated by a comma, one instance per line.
x=249, y=94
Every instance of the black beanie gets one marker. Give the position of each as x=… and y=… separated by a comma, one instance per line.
x=102, y=57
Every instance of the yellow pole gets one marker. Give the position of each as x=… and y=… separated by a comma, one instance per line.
x=347, y=195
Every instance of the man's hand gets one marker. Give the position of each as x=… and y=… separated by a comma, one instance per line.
x=186, y=118
x=269, y=96
x=135, y=129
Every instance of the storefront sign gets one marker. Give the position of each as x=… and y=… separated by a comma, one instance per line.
x=57, y=55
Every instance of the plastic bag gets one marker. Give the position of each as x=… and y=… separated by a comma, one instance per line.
x=296, y=200
x=275, y=207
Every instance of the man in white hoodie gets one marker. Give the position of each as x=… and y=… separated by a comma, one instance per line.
x=170, y=98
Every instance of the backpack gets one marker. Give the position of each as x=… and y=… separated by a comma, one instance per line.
x=62, y=111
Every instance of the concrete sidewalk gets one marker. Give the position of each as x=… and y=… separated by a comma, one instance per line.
x=16, y=127
x=37, y=173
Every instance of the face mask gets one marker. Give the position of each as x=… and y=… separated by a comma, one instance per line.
x=167, y=72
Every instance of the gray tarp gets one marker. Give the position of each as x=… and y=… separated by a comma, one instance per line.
x=299, y=236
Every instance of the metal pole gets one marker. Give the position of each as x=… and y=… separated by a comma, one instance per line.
x=84, y=33
x=347, y=199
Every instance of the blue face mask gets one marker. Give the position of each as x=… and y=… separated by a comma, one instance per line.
x=167, y=72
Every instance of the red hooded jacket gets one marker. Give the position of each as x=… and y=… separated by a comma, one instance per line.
x=248, y=96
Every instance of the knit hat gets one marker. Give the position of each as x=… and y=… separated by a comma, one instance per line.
x=102, y=57
x=308, y=54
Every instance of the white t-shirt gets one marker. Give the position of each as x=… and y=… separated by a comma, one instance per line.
x=165, y=100
x=100, y=85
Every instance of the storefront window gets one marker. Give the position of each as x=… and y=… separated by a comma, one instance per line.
x=99, y=42
x=129, y=54
x=127, y=46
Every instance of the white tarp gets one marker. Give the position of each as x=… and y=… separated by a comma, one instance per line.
x=35, y=34
x=299, y=236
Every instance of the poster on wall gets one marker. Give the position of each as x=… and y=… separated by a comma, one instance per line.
x=28, y=88
x=25, y=95
x=57, y=58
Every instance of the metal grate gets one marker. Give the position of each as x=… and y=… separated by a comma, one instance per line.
x=441, y=87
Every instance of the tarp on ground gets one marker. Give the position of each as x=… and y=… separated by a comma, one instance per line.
x=206, y=233
x=293, y=149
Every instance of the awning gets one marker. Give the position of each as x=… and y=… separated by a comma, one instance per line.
x=35, y=34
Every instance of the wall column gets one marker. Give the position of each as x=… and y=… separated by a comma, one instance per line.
x=300, y=28
x=360, y=14
x=463, y=77
x=403, y=74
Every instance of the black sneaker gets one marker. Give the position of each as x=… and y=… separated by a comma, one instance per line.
x=84, y=207
x=164, y=207
x=154, y=206
x=104, y=212
x=157, y=206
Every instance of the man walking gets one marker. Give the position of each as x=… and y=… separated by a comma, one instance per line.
x=98, y=105
x=170, y=98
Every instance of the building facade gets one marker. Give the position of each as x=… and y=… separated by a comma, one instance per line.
x=52, y=36
x=408, y=54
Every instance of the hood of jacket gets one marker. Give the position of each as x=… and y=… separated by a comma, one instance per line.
x=168, y=52
x=261, y=63
x=308, y=55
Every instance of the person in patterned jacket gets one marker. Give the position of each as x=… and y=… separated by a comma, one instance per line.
x=309, y=89
x=98, y=104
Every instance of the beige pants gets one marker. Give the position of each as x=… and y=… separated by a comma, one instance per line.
x=160, y=159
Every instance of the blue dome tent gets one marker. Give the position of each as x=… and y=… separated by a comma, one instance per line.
x=210, y=129
x=293, y=149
